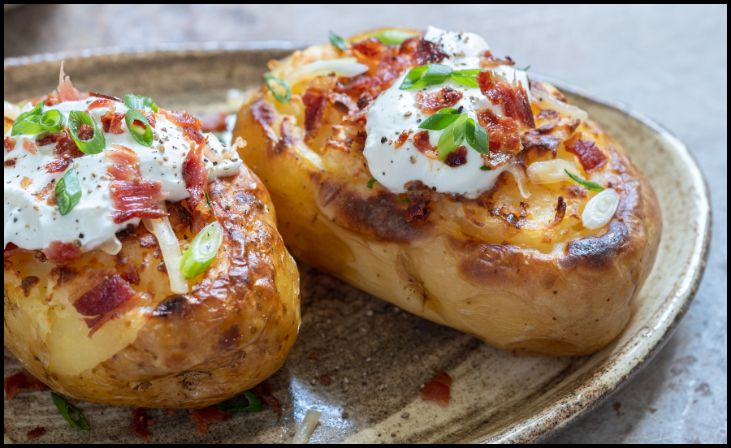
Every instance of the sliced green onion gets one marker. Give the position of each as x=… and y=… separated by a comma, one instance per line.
x=477, y=137
x=28, y=123
x=52, y=120
x=393, y=37
x=246, y=402
x=485, y=168
x=71, y=413
x=425, y=75
x=441, y=119
x=68, y=191
x=273, y=84
x=593, y=186
x=139, y=127
x=371, y=182
x=466, y=78
x=96, y=143
x=208, y=200
x=451, y=138
x=202, y=250
x=338, y=42
x=139, y=102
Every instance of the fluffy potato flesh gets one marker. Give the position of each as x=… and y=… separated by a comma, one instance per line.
x=231, y=331
x=513, y=267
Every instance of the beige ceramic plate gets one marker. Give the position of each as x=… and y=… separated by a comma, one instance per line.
x=361, y=361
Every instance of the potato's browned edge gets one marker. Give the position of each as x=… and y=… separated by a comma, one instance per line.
x=600, y=383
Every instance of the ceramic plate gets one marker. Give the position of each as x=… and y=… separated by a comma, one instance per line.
x=359, y=360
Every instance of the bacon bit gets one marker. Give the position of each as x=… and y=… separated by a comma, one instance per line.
x=36, y=432
x=136, y=199
x=325, y=379
x=263, y=113
x=102, y=102
x=58, y=165
x=112, y=122
x=438, y=389
x=313, y=100
x=515, y=219
x=514, y=100
x=9, y=143
x=490, y=61
x=504, y=138
x=65, y=145
x=124, y=163
x=28, y=283
x=264, y=391
x=140, y=425
x=343, y=103
x=421, y=141
x=66, y=91
x=85, y=132
x=539, y=140
x=62, y=253
x=202, y=418
x=191, y=125
x=195, y=177
x=560, y=212
x=430, y=102
x=402, y=138
x=10, y=162
x=104, y=301
x=29, y=145
x=215, y=122
x=131, y=275
x=151, y=120
x=588, y=153
x=418, y=209
x=457, y=157
x=548, y=114
x=21, y=382
x=428, y=52
x=109, y=97
x=370, y=48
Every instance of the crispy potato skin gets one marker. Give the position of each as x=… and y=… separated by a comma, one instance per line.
x=231, y=331
x=551, y=289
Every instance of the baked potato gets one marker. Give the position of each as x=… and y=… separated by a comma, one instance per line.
x=195, y=306
x=421, y=168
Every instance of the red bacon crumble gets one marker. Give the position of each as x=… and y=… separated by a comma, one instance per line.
x=457, y=157
x=370, y=48
x=131, y=196
x=62, y=253
x=428, y=52
x=314, y=100
x=65, y=90
x=100, y=302
x=112, y=122
x=10, y=162
x=504, y=136
x=195, y=176
x=264, y=391
x=214, y=122
x=30, y=146
x=85, y=132
x=9, y=143
x=514, y=100
x=430, y=102
x=101, y=102
x=140, y=424
x=58, y=165
x=202, y=418
x=437, y=389
x=402, y=139
x=109, y=97
x=421, y=141
x=190, y=124
x=21, y=382
x=588, y=153
x=36, y=432
x=65, y=145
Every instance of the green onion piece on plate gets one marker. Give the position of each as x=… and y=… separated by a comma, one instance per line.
x=93, y=145
x=139, y=127
x=278, y=87
x=202, y=250
x=68, y=191
x=71, y=413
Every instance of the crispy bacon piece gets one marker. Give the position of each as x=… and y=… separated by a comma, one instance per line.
x=504, y=136
x=65, y=145
x=104, y=301
x=202, y=418
x=151, y=118
x=514, y=100
x=370, y=48
x=314, y=100
x=191, y=125
x=421, y=141
x=215, y=122
x=62, y=253
x=109, y=97
x=132, y=197
x=58, y=165
x=9, y=143
x=65, y=90
x=402, y=138
x=488, y=60
x=140, y=425
x=538, y=140
x=560, y=212
x=428, y=52
x=10, y=162
x=85, y=132
x=263, y=114
x=29, y=145
x=588, y=153
x=112, y=122
x=457, y=157
x=195, y=177
x=264, y=391
x=101, y=102
x=430, y=102
x=438, y=389
x=36, y=432
x=21, y=382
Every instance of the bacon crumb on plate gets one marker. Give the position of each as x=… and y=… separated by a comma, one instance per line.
x=21, y=382
x=438, y=389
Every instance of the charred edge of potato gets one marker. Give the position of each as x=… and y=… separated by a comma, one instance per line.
x=232, y=330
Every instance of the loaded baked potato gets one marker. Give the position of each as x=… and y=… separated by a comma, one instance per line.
x=142, y=262
x=426, y=171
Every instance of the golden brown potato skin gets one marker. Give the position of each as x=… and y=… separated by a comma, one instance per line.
x=556, y=289
x=230, y=332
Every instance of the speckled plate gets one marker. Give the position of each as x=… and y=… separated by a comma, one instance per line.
x=359, y=360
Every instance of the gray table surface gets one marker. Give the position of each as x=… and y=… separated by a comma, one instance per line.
x=668, y=62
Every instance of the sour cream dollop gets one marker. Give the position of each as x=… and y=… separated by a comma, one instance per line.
x=32, y=223
x=396, y=111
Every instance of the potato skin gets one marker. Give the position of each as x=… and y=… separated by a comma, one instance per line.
x=230, y=332
x=556, y=290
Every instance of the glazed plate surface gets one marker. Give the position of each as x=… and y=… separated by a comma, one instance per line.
x=359, y=360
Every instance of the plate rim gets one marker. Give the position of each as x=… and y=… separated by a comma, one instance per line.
x=543, y=423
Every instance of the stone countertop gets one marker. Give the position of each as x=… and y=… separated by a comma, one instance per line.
x=668, y=62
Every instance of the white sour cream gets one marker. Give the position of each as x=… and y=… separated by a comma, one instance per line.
x=31, y=223
x=395, y=111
